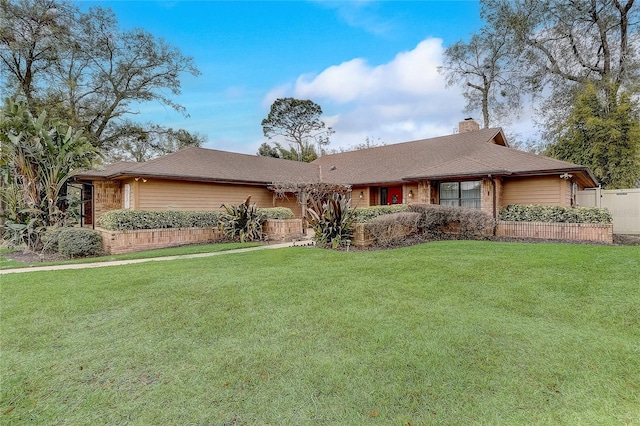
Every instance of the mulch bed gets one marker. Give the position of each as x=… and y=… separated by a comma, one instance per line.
x=31, y=257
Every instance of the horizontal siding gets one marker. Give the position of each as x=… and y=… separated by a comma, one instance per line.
x=196, y=196
x=290, y=202
x=366, y=199
x=545, y=190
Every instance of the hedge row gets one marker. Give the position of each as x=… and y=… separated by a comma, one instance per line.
x=392, y=228
x=436, y=220
x=277, y=213
x=538, y=213
x=121, y=220
x=366, y=214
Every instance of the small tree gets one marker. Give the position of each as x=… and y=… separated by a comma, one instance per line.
x=309, y=194
x=603, y=137
x=488, y=68
x=39, y=156
x=298, y=123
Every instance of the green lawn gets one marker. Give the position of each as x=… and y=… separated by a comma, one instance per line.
x=441, y=333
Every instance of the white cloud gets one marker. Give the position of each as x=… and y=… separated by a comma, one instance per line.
x=411, y=74
x=401, y=100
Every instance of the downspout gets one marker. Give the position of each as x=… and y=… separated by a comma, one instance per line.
x=495, y=202
x=493, y=194
x=495, y=206
x=93, y=206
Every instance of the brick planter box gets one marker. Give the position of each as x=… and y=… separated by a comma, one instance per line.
x=361, y=237
x=118, y=242
x=283, y=229
x=597, y=232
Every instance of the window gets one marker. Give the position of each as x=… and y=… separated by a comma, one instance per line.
x=460, y=194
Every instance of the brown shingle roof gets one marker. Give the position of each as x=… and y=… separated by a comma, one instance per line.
x=109, y=170
x=200, y=164
x=474, y=153
x=469, y=154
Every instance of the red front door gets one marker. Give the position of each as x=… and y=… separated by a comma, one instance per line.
x=394, y=195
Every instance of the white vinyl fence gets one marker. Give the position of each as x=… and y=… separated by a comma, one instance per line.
x=624, y=205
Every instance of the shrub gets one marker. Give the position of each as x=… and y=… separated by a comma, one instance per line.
x=119, y=220
x=50, y=238
x=365, y=214
x=539, y=213
x=331, y=220
x=438, y=221
x=243, y=221
x=277, y=213
x=27, y=235
x=392, y=228
x=79, y=242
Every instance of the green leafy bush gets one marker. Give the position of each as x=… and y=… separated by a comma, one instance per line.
x=277, y=213
x=392, y=228
x=79, y=242
x=365, y=214
x=539, y=213
x=50, y=238
x=331, y=220
x=119, y=220
x=438, y=221
x=28, y=234
x=243, y=221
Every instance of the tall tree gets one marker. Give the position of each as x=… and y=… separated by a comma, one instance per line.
x=81, y=68
x=604, y=138
x=583, y=66
x=568, y=43
x=488, y=68
x=142, y=143
x=297, y=122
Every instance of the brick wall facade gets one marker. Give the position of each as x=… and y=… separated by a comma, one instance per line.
x=107, y=195
x=283, y=229
x=596, y=232
x=119, y=242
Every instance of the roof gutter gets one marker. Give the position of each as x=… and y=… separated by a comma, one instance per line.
x=126, y=175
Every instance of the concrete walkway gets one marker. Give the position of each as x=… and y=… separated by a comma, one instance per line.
x=151, y=259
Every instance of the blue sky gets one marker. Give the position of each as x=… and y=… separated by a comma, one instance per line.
x=371, y=65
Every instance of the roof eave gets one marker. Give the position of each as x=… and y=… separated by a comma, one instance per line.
x=459, y=175
x=134, y=175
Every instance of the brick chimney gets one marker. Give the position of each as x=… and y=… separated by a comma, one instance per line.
x=468, y=125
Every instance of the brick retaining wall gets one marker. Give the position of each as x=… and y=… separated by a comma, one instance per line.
x=118, y=242
x=361, y=237
x=283, y=229
x=597, y=232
